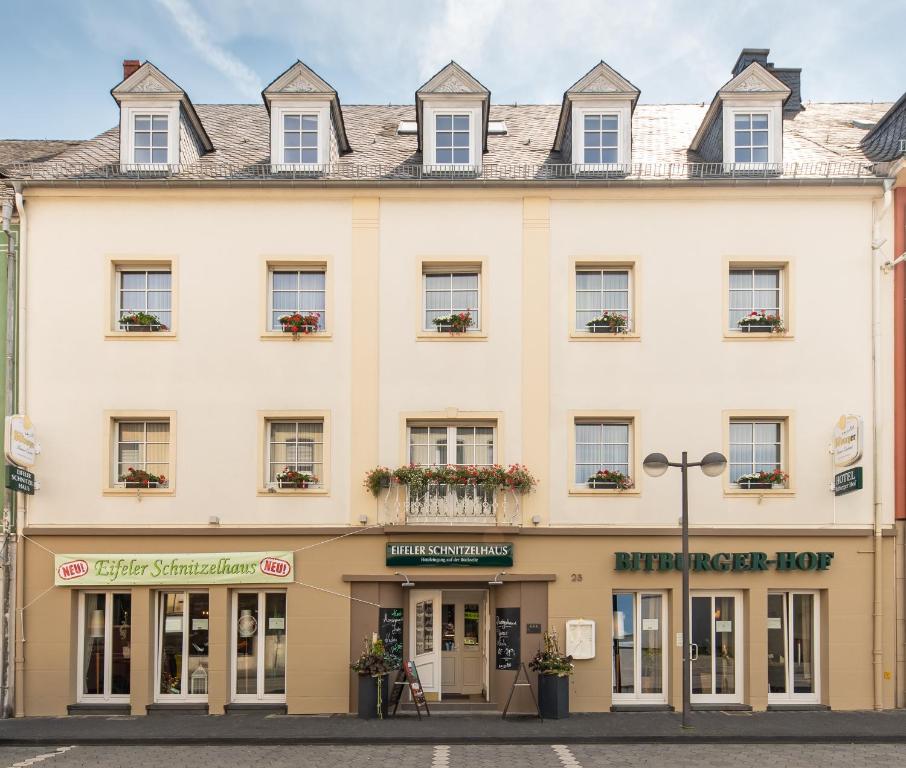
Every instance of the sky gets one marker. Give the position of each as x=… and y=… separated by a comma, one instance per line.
x=62, y=57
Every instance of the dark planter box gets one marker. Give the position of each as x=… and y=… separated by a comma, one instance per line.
x=136, y=328
x=599, y=484
x=450, y=329
x=304, y=329
x=368, y=696
x=754, y=485
x=553, y=696
x=756, y=328
x=605, y=328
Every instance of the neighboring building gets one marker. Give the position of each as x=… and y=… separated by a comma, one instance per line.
x=670, y=222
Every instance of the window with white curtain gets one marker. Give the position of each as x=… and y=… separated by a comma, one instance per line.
x=755, y=446
x=602, y=445
x=297, y=446
x=301, y=290
x=143, y=446
x=602, y=290
x=443, y=444
x=144, y=290
x=448, y=292
x=755, y=290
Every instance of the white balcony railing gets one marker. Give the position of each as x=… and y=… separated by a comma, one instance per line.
x=468, y=504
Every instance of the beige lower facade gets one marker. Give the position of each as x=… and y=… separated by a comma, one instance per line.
x=779, y=619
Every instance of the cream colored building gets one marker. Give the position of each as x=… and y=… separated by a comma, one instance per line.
x=218, y=220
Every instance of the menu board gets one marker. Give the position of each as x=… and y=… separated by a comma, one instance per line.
x=390, y=629
x=508, y=640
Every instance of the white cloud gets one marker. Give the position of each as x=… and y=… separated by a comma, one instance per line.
x=464, y=32
x=196, y=32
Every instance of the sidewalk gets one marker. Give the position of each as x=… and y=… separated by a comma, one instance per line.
x=626, y=728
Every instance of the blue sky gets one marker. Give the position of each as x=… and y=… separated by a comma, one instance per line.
x=63, y=56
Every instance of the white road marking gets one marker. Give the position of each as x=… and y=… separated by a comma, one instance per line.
x=565, y=756
x=40, y=758
x=441, y=758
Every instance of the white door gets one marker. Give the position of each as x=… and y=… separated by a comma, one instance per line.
x=793, y=647
x=716, y=652
x=424, y=638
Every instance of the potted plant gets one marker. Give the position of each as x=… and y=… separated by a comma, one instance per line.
x=763, y=480
x=290, y=478
x=518, y=479
x=374, y=667
x=376, y=479
x=609, y=322
x=760, y=322
x=297, y=323
x=141, y=322
x=458, y=322
x=609, y=479
x=138, y=478
x=554, y=669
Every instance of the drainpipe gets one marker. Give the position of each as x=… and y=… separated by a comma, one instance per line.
x=18, y=675
x=877, y=268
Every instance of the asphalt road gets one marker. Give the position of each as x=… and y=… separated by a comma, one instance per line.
x=439, y=756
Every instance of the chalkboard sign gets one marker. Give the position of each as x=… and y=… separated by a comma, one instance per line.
x=390, y=629
x=508, y=638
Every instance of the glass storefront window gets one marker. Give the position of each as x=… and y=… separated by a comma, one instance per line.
x=792, y=625
x=105, y=651
x=638, y=646
x=259, y=645
x=183, y=643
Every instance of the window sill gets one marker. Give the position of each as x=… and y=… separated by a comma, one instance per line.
x=740, y=336
x=580, y=336
x=280, y=336
x=746, y=493
x=451, y=336
x=294, y=492
x=604, y=492
x=140, y=335
x=139, y=491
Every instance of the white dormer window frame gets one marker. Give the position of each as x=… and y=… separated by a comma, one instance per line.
x=279, y=112
x=610, y=109
x=433, y=160
x=773, y=108
x=128, y=127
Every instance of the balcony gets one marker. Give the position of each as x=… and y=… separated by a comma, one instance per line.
x=452, y=504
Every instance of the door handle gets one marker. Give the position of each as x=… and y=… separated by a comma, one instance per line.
x=693, y=651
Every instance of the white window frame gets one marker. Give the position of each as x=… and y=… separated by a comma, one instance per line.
x=262, y=601
x=268, y=427
x=448, y=106
x=781, y=297
x=469, y=270
x=600, y=132
x=301, y=131
x=621, y=108
x=733, y=106
x=158, y=638
x=636, y=697
x=322, y=111
x=453, y=130
x=752, y=146
x=754, y=422
x=739, y=646
x=122, y=269
x=790, y=696
x=451, y=428
x=630, y=312
x=298, y=269
x=115, y=481
x=128, y=113
x=591, y=421
x=108, y=643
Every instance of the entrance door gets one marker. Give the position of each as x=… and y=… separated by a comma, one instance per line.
x=639, y=629
x=425, y=637
x=716, y=653
x=259, y=646
x=793, y=646
x=463, y=642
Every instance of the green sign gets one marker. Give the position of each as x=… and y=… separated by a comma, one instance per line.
x=722, y=562
x=203, y=568
x=848, y=481
x=18, y=479
x=475, y=555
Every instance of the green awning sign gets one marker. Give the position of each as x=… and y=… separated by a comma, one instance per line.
x=437, y=555
x=156, y=569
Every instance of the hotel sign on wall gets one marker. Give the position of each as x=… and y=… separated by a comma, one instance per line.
x=201, y=568
x=847, y=441
x=437, y=554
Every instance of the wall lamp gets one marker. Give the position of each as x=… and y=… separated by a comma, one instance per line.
x=406, y=583
x=497, y=580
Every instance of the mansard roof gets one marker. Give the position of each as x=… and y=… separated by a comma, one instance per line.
x=887, y=138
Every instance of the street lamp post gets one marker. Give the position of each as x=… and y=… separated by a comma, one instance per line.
x=655, y=465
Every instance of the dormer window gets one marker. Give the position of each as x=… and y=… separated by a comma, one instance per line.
x=300, y=139
x=151, y=140
x=452, y=140
x=601, y=136
x=751, y=137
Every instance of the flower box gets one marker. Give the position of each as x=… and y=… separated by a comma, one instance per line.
x=608, y=322
x=753, y=485
x=306, y=329
x=757, y=328
x=139, y=479
x=459, y=322
x=760, y=322
x=606, y=328
x=762, y=481
x=141, y=322
x=598, y=484
x=298, y=323
x=291, y=479
x=607, y=479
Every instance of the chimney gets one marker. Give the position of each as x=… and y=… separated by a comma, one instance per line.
x=790, y=76
x=129, y=67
